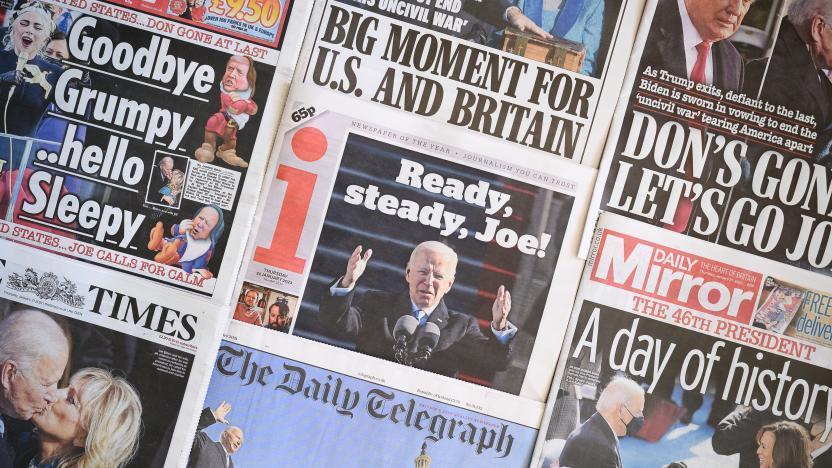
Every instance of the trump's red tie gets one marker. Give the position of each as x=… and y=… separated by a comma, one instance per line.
x=697, y=75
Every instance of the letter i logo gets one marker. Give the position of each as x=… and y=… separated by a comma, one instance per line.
x=308, y=144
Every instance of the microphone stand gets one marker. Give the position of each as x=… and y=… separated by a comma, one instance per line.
x=22, y=58
x=400, y=351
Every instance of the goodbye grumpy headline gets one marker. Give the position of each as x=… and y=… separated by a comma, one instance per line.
x=115, y=164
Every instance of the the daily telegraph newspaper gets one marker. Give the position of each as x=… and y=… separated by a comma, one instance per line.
x=723, y=129
x=134, y=142
x=291, y=402
x=387, y=243
x=683, y=352
x=97, y=368
x=540, y=77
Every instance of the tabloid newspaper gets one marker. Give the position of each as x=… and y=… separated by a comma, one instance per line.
x=137, y=142
x=541, y=77
x=120, y=367
x=732, y=148
x=132, y=150
x=719, y=350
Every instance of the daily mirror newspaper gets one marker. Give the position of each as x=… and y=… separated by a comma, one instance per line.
x=134, y=142
x=96, y=368
x=293, y=402
x=387, y=243
x=723, y=128
x=542, y=77
x=682, y=353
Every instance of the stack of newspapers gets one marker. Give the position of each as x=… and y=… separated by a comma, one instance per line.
x=416, y=233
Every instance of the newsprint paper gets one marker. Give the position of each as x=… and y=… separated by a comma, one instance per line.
x=345, y=330
x=538, y=77
x=120, y=367
x=136, y=142
x=347, y=205
x=720, y=351
x=728, y=142
x=298, y=403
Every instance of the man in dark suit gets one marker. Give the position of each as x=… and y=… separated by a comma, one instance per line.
x=688, y=39
x=619, y=412
x=802, y=51
x=34, y=351
x=430, y=275
x=821, y=450
x=205, y=453
x=159, y=178
x=692, y=40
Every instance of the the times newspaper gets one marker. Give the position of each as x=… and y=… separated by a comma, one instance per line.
x=730, y=144
x=538, y=77
x=296, y=403
x=720, y=351
x=97, y=367
x=135, y=142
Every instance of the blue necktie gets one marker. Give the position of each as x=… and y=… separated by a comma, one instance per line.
x=421, y=316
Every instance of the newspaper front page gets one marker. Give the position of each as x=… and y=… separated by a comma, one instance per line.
x=297, y=403
x=724, y=135
x=135, y=142
x=335, y=256
x=429, y=280
x=119, y=368
x=682, y=353
x=541, y=77
x=132, y=151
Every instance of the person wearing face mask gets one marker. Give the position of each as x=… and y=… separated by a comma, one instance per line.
x=27, y=79
x=618, y=413
x=53, y=128
x=96, y=422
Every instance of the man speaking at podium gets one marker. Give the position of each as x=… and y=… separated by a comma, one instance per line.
x=374, y=319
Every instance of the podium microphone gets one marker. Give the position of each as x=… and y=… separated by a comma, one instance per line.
x=427, y=339
x=405, y=326
x=22, y=58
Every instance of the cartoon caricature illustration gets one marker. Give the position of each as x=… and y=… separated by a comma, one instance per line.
x=236, y=107
x=193, y=241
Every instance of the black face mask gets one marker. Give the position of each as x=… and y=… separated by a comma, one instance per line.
x=56, y=61
x=635, y=424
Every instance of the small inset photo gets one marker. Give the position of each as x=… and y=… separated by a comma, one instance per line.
x=167, y=180
x=265, y=307
x=780, y=304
